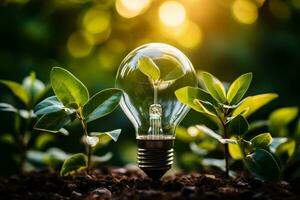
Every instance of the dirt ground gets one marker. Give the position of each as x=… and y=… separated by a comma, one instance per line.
x=130, y=183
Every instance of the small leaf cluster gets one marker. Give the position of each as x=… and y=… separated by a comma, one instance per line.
x=28, y=92
x=72, y=102
x=284, y=124
x=229, y=110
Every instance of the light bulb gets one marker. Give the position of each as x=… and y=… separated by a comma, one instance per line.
x=149, y=76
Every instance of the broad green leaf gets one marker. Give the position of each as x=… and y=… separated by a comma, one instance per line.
x=215, y=135
x=258, y=124
x=288, y=147
x=67, y=88
x=113, y=134
x=18, y=90
x=149, y=68
x=26, y=114
x=235, y=150
x=75, y=163
x=43, y=140
x=238, y=88
x=5, y=107
x=102, y=104
x=276, y=142
x=33, y=86
x=49, y=105
x=214, y=86
x=262, y=140
x=253, y=103
x=280, y=119
x=100, y=159
x=173, y=74
x=53, y=122
x=188, y=94
x=219, y=163
x=262, y=164
x=91, y=140
x=238, y=125
x=206, y=107
x=197, y=150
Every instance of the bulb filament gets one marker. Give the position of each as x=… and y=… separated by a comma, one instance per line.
x=155, y=112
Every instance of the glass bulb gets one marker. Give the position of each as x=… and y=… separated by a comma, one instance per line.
x=149, y=76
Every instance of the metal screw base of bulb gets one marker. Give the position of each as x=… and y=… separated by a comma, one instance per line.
x=155, y=157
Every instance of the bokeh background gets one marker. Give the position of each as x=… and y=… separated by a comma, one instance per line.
x=91, y=37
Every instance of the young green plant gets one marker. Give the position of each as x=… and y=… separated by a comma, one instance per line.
x=229, y=111
x=72, y=101
x=29, y=92
x=148, y=67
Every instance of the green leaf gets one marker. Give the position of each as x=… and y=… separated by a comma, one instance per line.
x=188, y=94
x=173, y=74
x=215, y=87
x=238, y=125
x=215, y=135
x=53, y=122
x=49, y=105
x=75, y=163
x=276, y=142
x=67, y=88
x=262, y=140
x=280, y=119
x=18, y=90
x=205, y=107
x=43, y=140
x=235, y=150
x=113, y=134
x=5, y=107
x=253, y=103
x=149, y=68
x=100, y=159
x=288, y=147
x=262, y=165
x=238, y=88
x=33, y=86
x=102, y=104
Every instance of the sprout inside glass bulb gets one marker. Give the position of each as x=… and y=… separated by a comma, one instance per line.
x=149, y=76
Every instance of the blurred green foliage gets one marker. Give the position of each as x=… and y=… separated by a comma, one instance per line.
x=37, y=35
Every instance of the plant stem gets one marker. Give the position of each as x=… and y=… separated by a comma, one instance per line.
x=155, y=92
x=23, y=155
x=226, y=136
x=226, y=152
x=87, y=147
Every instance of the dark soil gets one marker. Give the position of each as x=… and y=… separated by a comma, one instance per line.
x=130, y=183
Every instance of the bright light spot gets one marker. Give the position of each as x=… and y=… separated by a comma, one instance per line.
x=245, y=11
x=172, y=13
x=279, y=9
x=96, y=21
x=80, y=44
x=193, y=131
x=192, y=36
x=131, y=8
x=189, y=34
